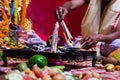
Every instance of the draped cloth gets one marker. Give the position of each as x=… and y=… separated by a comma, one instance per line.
x=95, y=23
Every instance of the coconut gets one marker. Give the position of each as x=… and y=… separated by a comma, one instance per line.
x=109, y=60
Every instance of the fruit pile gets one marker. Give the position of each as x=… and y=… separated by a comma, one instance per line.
x=39, y=70
x=112, y=62
x=46, y=73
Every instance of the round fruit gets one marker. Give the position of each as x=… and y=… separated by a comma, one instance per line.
x=38, y=59
x=58, y=77
x=109, y=67
x=109, y=60
x=14, y=76
x=22, y=66
x=7, y=39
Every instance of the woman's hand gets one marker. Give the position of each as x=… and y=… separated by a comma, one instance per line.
x=90, y=41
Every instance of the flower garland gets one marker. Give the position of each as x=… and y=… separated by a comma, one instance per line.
x=6, y=4
x=23, y=14
x=5, y=18
x=4, y=25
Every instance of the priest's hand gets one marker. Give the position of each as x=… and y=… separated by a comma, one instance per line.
x=60, y=13
x=90, y=41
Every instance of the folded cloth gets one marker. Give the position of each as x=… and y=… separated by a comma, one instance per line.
x=116, y=43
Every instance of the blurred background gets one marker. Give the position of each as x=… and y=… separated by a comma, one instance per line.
x=42, y=15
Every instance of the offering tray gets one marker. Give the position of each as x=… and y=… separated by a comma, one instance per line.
x=64, y=56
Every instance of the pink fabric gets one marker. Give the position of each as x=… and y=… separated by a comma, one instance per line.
x=113, y=75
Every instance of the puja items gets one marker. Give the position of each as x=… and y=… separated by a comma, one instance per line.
x=67, y=34
x=12, y=22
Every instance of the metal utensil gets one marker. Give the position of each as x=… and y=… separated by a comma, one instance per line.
x=55, y=38
x=67, y=33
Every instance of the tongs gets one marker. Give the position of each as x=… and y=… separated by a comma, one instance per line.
x=67, y=33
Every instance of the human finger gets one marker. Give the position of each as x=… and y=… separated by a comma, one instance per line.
x=88, y=43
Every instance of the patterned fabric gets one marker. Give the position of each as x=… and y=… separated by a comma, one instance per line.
x=114, y=75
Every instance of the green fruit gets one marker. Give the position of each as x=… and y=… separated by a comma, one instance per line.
x=40, y=60
x=58, y=67
x=7, y=39
x=22, y=66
